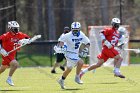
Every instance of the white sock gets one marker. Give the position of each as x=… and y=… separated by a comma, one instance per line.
x=85, y=70
x=116, y=69
x=77, y=75
x=9, y=77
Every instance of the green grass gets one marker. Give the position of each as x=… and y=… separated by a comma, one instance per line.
x=135, y=59
x=40, y=80
x=44, y=60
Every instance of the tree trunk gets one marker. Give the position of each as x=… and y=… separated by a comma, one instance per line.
x=40, y=19
x=104, y=12
x=51, y=21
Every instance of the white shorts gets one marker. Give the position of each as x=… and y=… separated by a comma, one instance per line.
x=72, y=59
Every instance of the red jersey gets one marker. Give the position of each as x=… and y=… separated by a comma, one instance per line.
x=112, y=35
x=9, y=42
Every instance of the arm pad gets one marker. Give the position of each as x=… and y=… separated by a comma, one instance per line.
x=107, y=43
x=102, y=36
x=3, y=51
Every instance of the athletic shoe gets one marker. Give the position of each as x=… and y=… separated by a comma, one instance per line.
x=53, y=71
x=62, y=68
x=61, y=82
x=77, y=80
x=118, y=74
x=10, y=82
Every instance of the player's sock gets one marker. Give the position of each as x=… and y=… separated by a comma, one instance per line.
x=9, y=77
x=85, y=70
x=116, y=69
x=76, y=75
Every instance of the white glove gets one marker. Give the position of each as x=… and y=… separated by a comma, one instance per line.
x=58, y=49
x=23, y=41
x=108, y=44
x=3, y=52
x=84, y=52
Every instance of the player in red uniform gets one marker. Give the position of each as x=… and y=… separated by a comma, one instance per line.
x=8, y=41
x=109, y=38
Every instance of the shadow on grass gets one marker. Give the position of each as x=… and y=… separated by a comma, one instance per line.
x=5, y=90
x=72, y=89
x=108, y=83
x=104, y=83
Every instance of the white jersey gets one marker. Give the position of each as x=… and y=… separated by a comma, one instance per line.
x=74, y=42
x=61, y=37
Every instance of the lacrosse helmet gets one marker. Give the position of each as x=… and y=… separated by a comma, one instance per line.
x=115, y=22
x=66, y=29
x=75, y=28
x=13, y=26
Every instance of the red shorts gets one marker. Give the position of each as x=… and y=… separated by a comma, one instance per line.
x=107, y=53
x=6, y=60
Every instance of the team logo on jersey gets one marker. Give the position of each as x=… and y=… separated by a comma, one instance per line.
x=15, y=40
x=77, y=40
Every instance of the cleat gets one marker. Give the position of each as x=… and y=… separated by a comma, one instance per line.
x=118, y=74
x=77, y=80
x=121, y=76
x=10, y=82
x=62, y=68
x=53, y=71
x=61, y=82
x=81, y=74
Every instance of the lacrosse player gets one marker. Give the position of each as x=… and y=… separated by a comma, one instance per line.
x=73, y=40
x=110, y=37
x=59, y=54
x=8, y=41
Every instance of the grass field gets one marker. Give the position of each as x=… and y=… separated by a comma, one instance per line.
x=40, y=80
x=27, y=60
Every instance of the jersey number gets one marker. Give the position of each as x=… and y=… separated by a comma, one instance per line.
x=114, y=41
x=77, y=45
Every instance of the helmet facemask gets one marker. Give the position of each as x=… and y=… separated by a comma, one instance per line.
x=75, y=32
x=15, y=30
x=116, y=25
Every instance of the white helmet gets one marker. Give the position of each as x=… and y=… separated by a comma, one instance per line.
x=115, y=22
x=13, y=26
x=122, y=30
x=75, y=27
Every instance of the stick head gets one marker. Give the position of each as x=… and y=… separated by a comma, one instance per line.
x=35, y=38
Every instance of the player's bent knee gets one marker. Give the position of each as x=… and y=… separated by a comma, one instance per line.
x=120, y=59
x=80, y=62
x=15, y=64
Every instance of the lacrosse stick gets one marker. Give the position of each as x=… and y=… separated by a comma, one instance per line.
x=30, y=41
x=134, y=50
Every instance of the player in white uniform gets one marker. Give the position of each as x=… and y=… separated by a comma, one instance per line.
x=73, y=40
x=59, y=54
